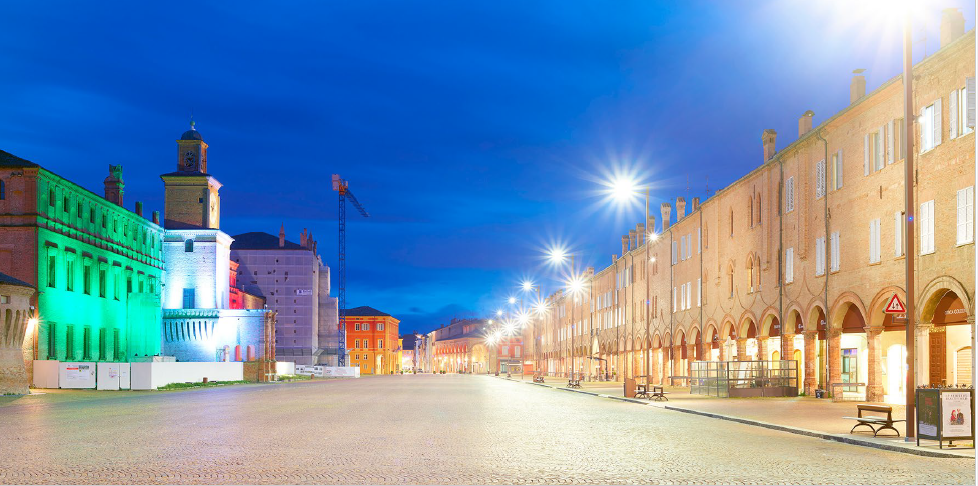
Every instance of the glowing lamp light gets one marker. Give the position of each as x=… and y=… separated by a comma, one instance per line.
x=623, y=189
x=31, y=324
x=512, y=300
x=499, y=313
x=557, y=255
x=653, y=236
x=527, y=285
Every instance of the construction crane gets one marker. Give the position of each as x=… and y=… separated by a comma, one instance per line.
x=342, y=187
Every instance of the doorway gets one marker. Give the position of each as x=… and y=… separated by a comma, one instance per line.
x=938, y=351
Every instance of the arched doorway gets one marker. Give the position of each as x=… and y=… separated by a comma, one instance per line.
x=853, y=349
x=949, y=347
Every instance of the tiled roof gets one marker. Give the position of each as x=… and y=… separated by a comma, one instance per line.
x=8, y=159
x=365, y=311
x=258, y=240
x=8, y=280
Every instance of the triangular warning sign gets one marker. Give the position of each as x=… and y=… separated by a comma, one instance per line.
x=895, y=306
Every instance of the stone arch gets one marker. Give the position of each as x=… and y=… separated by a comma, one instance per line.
x=841, y=306
x=932, y=293
x=768, y=319
x=728, y=329
x=656, y=341
x=746, y=320
x=815, y=310
x=875, y=317
x=793, y=322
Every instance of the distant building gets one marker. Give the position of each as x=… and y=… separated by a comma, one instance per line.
x=199, y=323
x=97, y=266
x=295, y=283
x=463, y=347
x=372, y=340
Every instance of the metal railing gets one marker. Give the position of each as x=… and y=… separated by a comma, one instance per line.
x=745, y=378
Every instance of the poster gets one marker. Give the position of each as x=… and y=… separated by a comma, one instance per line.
x=928, y=413
x=956, y=414
x=79, y=372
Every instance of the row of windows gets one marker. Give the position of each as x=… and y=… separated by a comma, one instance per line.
x=365, y=326
x=366, y=343
x=94, y=275
x=130, y=234
x=100, y=351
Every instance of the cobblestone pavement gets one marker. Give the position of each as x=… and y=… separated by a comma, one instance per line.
x=419, y=429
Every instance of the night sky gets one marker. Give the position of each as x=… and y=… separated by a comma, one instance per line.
x=476, y=134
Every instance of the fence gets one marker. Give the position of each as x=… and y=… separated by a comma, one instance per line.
x=745, y=378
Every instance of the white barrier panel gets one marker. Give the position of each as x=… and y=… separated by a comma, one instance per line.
x=309, y=370
x=150, y=376
x=112, y=376
x=284, y=368
x=46, y=373
x=341, y=371
x=76, y=375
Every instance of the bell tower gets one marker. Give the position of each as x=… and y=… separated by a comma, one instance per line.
x=192, y=152
x=191, y=194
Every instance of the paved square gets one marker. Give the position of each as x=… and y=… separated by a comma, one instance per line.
x=422, y=429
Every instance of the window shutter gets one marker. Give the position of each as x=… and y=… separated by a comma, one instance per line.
x=962, y=224
x=969, y=214
x=897, y=234
x=937, y=122
x=819, y=179
x=674, y=299
x=878, y=156
x=689, y=246
x=866, y=154
x=699, y=292
x=699, y=240
x=889, y=142
x=838, y=171
x=953, y=114
x=970, y=96
x=674, y=252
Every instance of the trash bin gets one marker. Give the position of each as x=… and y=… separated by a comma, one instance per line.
x=819, y=393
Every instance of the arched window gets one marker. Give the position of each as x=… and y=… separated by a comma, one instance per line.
x=750, y=208
x=758, y=212
x=188, y=246
x=750, y=274
x=730, y=281
x=757, y=268
x=731, y=222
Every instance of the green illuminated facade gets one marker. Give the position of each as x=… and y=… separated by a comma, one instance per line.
x=97, y=266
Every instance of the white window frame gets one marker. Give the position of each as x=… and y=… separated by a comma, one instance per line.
x=958, y=113
x=930, y=126
x=789, y=194
x=837, y=178
x=899, y=234
x=874, y=241
x=699, y=292
x=966, y=216
x=789, y=265
x=836, y=253
x=819, y=256
x=926, y=218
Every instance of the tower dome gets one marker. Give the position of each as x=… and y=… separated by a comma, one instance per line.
x=191, y=134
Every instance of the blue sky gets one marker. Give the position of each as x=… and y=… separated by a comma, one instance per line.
x=475, y=133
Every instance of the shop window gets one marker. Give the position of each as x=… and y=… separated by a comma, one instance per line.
x=87, y=343
x=101, y=282
x=52, y=269
x=52, y=340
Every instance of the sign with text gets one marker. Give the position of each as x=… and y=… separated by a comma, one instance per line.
x=945, y=414
x=956, y=414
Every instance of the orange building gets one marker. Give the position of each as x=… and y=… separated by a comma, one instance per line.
x=372, y=341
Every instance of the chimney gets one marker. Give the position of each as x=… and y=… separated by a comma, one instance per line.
x=767, y=141
x=805, y=123
x=952, y=25
x=640, y=232
x=632, y=239
x=139, y=209
x=281, y=236
x=114, y=187
x=857, y=88
x=302, y=238
x=650, y=224
x=680, y=208
x=156, y=218
x=666, y=210
x=624, y=245
x=696, y=205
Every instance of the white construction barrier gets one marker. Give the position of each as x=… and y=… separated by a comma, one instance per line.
x=329, y=371
x=150, y=376
x=76, y=375
x=46, y=373
x=113, y=376
x=284, y=368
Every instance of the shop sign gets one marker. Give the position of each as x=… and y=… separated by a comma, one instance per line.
x=956, y=414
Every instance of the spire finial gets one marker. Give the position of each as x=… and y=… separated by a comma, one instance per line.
x=192, y=119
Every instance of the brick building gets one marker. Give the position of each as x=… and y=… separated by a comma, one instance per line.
x=797, y=258
x=372, y=341
x=295, y=282
x=97, y=266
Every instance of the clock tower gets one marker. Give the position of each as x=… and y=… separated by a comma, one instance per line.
x=191, y=194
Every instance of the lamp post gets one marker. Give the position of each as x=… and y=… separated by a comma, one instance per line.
x=909, y=208
x=559, y=255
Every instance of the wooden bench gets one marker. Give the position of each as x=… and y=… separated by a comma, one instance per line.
x=658, y=394
x=572, y=383
x=642, y=390
x=874, y=420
